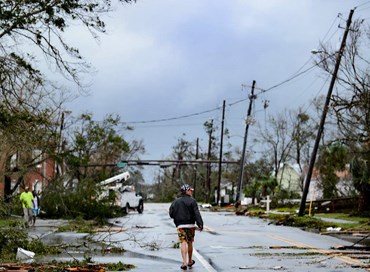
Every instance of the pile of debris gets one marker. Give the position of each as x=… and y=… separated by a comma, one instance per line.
x=63, y=267
x=49, y=267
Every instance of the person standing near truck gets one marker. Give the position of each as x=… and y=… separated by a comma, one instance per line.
x=186, y=216
x=26, y=199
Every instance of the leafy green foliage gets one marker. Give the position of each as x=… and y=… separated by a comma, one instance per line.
x=11, y=238
x=41, y=24
x=300, y=221
x=96, y=143
x=94, y=148
x=332, y=158
x=361, y=174
x=79, y=225
x=119, y=266
x=77, y=265
x=79, y=201
x=259, y=180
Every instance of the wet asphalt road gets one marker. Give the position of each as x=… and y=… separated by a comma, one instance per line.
x=228, y=243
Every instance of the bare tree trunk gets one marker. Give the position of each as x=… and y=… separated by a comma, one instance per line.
x=364, y=201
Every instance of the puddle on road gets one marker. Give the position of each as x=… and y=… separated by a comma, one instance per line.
x=69, y=238
x=78, y=246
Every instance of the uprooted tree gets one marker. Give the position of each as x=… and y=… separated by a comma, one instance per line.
x=90, y=156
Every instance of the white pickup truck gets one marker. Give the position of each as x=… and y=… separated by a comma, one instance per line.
x=126, y=196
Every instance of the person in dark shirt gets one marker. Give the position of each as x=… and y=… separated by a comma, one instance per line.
x=185, y=213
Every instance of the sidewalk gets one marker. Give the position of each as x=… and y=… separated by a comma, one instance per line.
x=44, y=227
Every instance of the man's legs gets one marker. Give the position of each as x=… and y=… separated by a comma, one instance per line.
x=186, y=237
x=184, y=250
x=34, y=215
x=190, y=253
x=25, y=217
x=30, y=214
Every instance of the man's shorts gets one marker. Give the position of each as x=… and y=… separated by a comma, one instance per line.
x=35, y=211
x=186, y=234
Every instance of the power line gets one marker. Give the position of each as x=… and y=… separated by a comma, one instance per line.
x=290, y=79
x=172, y=118
x=298, y=73
x=363, y=4
x=294, y=76
x=327, y=33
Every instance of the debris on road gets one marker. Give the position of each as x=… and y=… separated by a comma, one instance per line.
x=23, y=254
x=110, y=230
x=330, y=229
x=68, y=267
x=279, y=267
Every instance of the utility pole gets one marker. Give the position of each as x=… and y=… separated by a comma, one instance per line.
x=218, y=201
x=208, y=178
x=323, y=117
x=242, y=160
x=196, y=167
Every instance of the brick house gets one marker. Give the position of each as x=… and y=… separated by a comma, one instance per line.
x=36, y=179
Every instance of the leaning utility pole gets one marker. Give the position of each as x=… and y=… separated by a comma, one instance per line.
x=208, y=177
x=323, y=117
x=196, y=168
x=218, y=200
x=242, y=160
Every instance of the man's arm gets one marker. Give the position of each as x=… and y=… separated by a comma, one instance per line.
x=171, y=211
x=198, y=217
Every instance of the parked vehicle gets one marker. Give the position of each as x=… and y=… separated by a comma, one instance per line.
x=126, y=196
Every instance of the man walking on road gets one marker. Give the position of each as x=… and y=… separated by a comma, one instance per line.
x=26, y=199
x=185, y=213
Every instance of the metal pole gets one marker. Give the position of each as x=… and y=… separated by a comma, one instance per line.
x=323, y=117
x=208, y=177
x=196, y=168
x=218, y=201
x=242, y=160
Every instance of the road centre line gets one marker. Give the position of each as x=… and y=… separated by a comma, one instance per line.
x=340, y=257
x=203, y=261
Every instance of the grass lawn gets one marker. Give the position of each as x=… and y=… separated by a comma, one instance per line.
x=359, y=223
x=343, y=216
x=5, y=222
x=288, y=216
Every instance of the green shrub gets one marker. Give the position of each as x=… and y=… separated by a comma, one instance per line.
x=300, y=221
x=11, y=238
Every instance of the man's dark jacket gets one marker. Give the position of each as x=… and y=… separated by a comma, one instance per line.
x=184, y=210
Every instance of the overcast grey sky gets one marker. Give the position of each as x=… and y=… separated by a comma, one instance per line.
x=170, y=58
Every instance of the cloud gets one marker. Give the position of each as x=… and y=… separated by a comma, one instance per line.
x=168, y=58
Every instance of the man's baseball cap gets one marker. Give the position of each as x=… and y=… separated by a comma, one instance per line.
x=186, y=187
